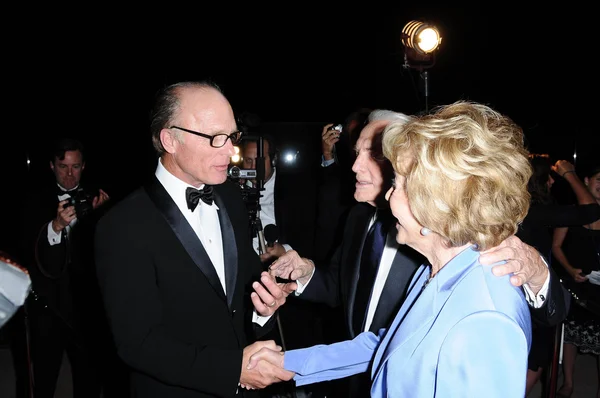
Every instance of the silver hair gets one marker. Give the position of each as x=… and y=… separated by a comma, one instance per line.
x=385, y=114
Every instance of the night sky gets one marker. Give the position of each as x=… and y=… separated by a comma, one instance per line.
x=92, y=75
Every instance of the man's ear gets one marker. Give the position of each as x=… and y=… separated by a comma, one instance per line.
x=168, y=140
x=51, y=165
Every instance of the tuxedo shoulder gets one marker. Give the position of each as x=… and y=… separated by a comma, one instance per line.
x=228, y=188
x=361, y=210
x=129, y=206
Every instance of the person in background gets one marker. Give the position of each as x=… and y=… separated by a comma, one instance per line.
x=370, y=285
x=335, y=195
x=577, y=249
x=299, y=321
x=177, y=272
x=536, y=230
x=461, y=331
x=64, y=309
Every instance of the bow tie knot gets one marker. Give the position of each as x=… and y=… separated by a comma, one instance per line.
x=193, y=195
x=70, y=192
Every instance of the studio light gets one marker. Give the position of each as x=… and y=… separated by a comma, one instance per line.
x=420, y=40
x=421, y=37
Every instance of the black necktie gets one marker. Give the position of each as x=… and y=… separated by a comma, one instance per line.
x=193, y=195
x=369, y=262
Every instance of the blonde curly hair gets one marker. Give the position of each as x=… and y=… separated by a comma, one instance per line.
x=466, y=172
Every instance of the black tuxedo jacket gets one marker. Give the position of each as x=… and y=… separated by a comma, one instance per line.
x=172, y=322
x=63, y=275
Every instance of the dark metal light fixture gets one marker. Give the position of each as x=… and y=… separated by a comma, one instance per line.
x=420, y=40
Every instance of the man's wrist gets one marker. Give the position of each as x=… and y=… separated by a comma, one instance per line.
x=56, y=226
x=304, y=280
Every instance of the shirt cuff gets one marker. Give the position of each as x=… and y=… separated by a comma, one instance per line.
x=286, y=247
x=260, y=320
x=302, y=286
x=53, y=237
x=326, y=163
x=537, y=301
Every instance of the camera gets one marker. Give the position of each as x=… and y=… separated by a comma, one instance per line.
x=337, y=127
x=235, y=172
x=82, y=201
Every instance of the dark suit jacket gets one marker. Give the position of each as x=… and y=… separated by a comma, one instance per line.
x=63, y=275
x=172, y=322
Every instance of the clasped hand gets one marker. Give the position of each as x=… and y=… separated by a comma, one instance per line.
x=262, y=365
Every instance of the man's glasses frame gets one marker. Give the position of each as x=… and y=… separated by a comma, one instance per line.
x=235, y=137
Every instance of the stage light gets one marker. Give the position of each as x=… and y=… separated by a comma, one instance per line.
x=420, y=40
x=420, y=36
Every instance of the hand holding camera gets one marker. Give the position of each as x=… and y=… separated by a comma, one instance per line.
x=64, y=215
x=79, y=205
x=329, y=136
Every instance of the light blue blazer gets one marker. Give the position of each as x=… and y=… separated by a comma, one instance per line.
x=466, y=334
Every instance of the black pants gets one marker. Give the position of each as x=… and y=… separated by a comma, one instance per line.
x=51, y=338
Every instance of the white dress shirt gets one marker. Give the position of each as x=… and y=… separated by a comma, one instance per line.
x=267, y=209
x=204, y=220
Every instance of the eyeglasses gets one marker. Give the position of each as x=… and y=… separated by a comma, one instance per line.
x=217, y=140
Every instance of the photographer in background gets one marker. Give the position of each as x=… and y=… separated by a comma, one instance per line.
x=64, y=309
x=269, y=209
x=282, y=208
x=336, y=181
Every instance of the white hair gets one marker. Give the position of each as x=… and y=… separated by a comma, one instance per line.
x=391, y=116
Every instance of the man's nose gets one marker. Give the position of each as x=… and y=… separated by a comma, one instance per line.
x=357, y=165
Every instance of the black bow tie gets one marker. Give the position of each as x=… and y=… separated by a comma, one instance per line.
x=193, y=195
x=71, y=192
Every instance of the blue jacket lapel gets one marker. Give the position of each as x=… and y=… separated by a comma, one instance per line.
x=186, y=234
x=420, y=310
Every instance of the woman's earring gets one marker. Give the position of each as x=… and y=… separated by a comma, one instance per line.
x=425, y=231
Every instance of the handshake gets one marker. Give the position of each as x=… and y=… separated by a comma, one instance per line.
x=262, y=365
x=263, y=361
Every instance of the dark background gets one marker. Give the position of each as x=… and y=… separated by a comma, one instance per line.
x=92, y=73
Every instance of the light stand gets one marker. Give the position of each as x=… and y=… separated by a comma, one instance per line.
x=420, y=41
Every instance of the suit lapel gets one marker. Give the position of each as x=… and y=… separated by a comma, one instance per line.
x=401, y=272
x=229, y=248
x=354, y=254
x=186, y=234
